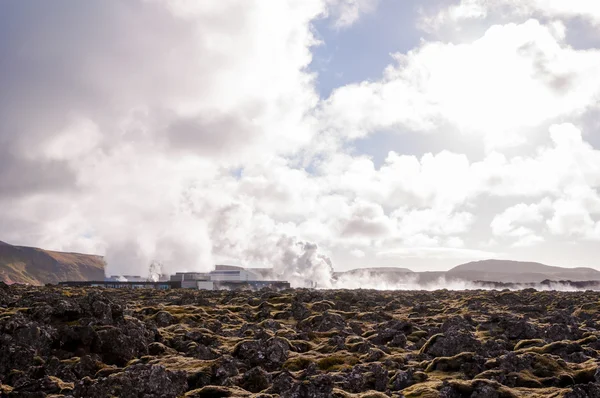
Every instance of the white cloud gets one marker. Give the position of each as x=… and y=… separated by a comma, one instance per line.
x=366, y=220
x=480, y=9
x=79, y=139
x=347, y=12
x=520, y=222
x=437, y=252
x=160, y=110
x=501, y=86
x=575, y=214
x=196, y=136
x=357, y=253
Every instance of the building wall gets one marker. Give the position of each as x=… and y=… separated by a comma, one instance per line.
x=190, y=276
x=189, y=284
x=228, y=275
x=123, y=285
x=233, y=275
x=205, y=285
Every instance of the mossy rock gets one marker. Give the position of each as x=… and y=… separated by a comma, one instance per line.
x=416, y=336
x=430, y=342
x=217, y=392
x=450, y=364
x=428, y=389
x=529, y=343
x=297, y=363
x=337, y=362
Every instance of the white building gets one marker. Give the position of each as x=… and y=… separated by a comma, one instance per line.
x=190, y=280
x=231, y=273
x=221, y=273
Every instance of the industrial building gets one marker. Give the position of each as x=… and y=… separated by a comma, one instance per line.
x=162, y=285
x=125, y=278
x=223, y=277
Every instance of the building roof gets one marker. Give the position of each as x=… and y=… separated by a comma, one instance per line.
x=222, y=267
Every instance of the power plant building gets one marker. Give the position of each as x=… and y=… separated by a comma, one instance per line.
x=223, y=277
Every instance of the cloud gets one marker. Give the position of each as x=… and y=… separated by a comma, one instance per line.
x=368, y=220
x=191, y=133
x=357, y=253
x=437, y=252
x=499, y=87
x=158, y=99
x=575, y=214
x=481, y=9
x=519, y=222
x=347, y=12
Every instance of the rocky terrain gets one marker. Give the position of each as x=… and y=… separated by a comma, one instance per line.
x=21, y=264
x=298, y=343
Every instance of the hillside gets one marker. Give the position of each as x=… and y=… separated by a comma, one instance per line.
x=493, y=271
x=377, y=270
x=518, y=271
x=19, y=264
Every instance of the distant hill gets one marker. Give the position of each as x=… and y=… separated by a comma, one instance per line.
x=370, y=272
x=20, y=264
x=493, y=271
x=377, y=270
x=518, y=271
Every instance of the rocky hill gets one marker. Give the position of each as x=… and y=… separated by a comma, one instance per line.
x=20, y=264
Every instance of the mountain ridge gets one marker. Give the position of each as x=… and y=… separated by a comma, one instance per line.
x=493, y=270
x=31, y=265
x=519, y=266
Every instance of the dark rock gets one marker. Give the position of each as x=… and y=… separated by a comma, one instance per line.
x=590, y=390
x=256, y=380
x=355, y=380
x=401, y=380
x=271, y=353
x=282, y=383
x=158, y=349
x=315, y=387
x=151, y=381
x=450, y=344
x=119, y=344
x=163, y=318
x=323, y=323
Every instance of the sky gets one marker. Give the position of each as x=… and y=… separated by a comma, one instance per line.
x=302, y=134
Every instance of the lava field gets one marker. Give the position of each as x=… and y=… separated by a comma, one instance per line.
x=89, y=342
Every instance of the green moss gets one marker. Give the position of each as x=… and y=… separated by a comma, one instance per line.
x=297, y=363
x=416, y=336
x=372, y=394
x=450, y=364
x=180, y=363
x=529, y=343
x=337, y=362
x=423, y=390
x=430, y=342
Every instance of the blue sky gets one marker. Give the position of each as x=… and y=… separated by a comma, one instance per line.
x=361, y=51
